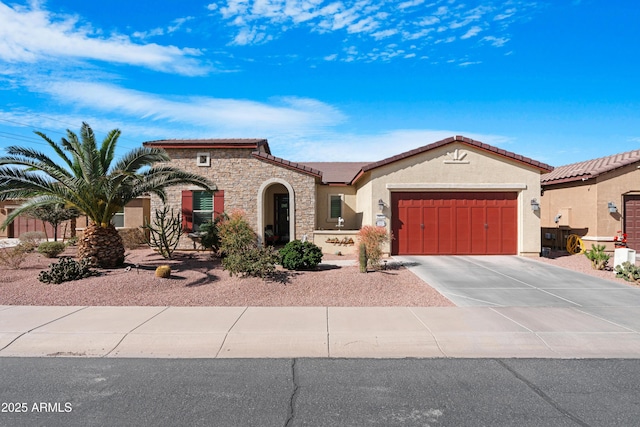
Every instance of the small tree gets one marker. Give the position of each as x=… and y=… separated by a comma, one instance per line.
x=54, y=214
x=164, y=233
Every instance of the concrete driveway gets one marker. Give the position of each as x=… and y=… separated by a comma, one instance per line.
x=511, y=281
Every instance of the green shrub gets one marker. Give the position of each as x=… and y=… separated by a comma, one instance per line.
x=236, y=234
x=33, y=238
x=255, y=262
x=67, y=269
x=51, y=249
x=242, y=255
x=210, y=234
x=598, y=257
x=298, y=255
x=627, y=271
x=373, y=237
x=72, y=241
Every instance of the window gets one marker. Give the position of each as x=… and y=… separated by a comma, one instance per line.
x=335, y=207
x=198, y=208
x=203, y=159
x=118, y=219
x=202, y=208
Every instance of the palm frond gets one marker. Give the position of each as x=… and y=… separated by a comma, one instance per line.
x=107, y=149
x=59, y=151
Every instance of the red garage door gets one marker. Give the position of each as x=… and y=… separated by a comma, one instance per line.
x=454, y=223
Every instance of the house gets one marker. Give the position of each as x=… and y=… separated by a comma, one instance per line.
x=133, y=215
x=454, y=196
x=593, y=199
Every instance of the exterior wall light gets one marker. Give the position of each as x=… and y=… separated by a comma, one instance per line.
x=381, y=204
x=535, y=205
x=612, y=207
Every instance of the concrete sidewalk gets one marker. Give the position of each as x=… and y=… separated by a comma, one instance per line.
x=286, y=332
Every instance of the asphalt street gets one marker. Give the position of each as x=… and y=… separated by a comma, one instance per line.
x=319, y=392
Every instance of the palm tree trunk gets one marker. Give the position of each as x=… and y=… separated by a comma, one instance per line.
x=103, y=246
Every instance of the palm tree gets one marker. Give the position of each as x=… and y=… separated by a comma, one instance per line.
x=85, y=178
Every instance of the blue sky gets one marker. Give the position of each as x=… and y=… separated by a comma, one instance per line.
x=327, y=80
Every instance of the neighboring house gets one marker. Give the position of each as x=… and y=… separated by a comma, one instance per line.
x=455, y=196
x=593, y=199
x=133, y=215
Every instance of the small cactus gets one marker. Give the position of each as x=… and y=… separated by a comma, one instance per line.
x=163, y=271
x=362, y=253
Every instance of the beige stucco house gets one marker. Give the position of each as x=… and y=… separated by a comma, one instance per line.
x=593, y=199
x=133, y=215
x=455, y=196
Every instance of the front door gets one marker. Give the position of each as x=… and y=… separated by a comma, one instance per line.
x=281, y=217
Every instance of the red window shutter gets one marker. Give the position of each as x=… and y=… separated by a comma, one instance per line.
x=218, y=203
x=187, y=210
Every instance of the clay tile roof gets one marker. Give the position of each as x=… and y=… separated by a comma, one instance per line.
x=468, y=141
x=252, y=143
x=337, y=172
x=582, y=171
x=287, y=164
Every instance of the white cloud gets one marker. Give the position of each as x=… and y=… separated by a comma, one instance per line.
x=384, y=34
x=381, y=20
x=496, y=41
x=227, y=116
x=472, y=32
x=36, y=35
x=409, y=4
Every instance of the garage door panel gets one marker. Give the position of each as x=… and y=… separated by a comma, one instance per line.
x=478, y=230
x=463, y=229
x=455, y=223
x=430, y=232
x=446, y=230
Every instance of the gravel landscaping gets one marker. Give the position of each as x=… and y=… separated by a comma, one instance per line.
x=198, y=280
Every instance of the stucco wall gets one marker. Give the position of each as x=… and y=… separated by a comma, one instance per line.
x=475, y=170
x=352, y=219
x=136, y=212
x=241, y=176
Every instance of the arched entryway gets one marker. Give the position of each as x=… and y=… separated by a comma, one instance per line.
x=276, y=211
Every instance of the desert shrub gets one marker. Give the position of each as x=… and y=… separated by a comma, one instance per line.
x=72, y=241
x=14, y=256
x=598, y=257
x=298, y=255
x=67, y=269
x=242, y=255
x=373, y=237
x=163, y=271
x=133, y=238
x=51, y=249
x=210, y=234
x=255, y=262
x=235, y=233
x=165, y=231
x=33, y=238
x=627, y=271
x=362, y=257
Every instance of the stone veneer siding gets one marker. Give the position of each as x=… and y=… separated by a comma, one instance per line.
x=240, y=175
